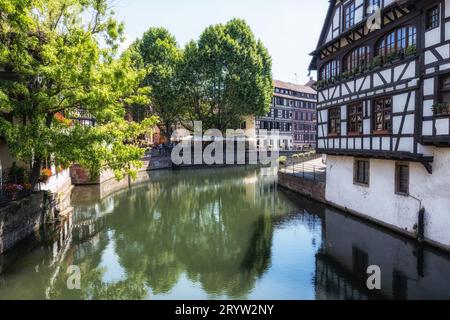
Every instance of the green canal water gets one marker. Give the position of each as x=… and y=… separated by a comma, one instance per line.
x=216, y=234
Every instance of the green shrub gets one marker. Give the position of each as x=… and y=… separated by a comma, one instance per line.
x=411, y=50
x=282, y=160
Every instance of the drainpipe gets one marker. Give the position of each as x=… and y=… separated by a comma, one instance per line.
x=420, y=221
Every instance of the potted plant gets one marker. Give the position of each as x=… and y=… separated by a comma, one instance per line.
x=13, y=190
x=376, y=62
x=440, y=109
x=320, y=84
x=45, y=175
x=411, y=50
x=393, y=56
x=345, y=75
x=282, y=160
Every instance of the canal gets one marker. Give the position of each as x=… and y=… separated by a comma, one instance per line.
x=217, y=234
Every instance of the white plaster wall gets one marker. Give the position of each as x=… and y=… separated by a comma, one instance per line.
x=428, y=86
x=427, y=128
x=444, y=51
x=388, y=2
x=442, y=127
x=380, y=202
x=57, y=181
x=432, y=37
x=427, y=108
x=447, y=30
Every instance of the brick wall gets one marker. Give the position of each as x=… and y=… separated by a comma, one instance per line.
x=305, y=187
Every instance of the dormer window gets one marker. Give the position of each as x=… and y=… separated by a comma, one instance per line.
x=349, y=16
x=397, y=40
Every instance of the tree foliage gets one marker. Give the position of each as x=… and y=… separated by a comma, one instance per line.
x=225, y=75
x=219, y=79
x=159, y=51
x=62, y=54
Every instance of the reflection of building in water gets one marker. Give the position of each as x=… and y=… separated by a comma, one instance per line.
x=407, y=271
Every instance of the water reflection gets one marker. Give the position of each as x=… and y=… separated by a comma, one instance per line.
x=226, y=233
x=408, y=271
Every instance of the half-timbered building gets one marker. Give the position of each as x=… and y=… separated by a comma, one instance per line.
x=383, y=112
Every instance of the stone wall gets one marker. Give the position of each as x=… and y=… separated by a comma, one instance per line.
x=306, y=187
x=88, y=193
x=20, y=219
x=80, y=176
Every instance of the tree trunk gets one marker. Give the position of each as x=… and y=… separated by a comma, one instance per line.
x=36, y=172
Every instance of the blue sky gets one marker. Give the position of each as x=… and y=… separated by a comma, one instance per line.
x=289, y=28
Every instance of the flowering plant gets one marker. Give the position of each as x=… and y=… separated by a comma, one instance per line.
x=45, y=174
x=27, y=186
x=63, y=120
x=13, y=187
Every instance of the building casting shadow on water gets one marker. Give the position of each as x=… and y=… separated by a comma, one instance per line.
x=349, y=245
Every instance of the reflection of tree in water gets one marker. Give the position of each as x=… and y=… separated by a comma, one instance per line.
x=215, y=227
x=207, y=225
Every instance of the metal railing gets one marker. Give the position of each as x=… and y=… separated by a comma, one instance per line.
x=161, y=151
x=301, y=168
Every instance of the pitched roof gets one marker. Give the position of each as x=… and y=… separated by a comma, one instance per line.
x=293, y=87
x=323, y=34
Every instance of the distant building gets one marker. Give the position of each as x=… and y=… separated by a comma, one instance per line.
x=293, y=114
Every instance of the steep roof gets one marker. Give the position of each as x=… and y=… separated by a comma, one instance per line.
x=323, y=34
x=293, y=87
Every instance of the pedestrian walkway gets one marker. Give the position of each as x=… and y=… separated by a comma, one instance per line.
x=311, y=170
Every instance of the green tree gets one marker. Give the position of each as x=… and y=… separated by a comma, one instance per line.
x=159, y=52
x=225, y=75
x=53, y=49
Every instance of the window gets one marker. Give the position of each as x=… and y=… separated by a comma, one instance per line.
x=334, y=121
x=360, y=262
x=396, y=40
x=382, y=115
x=372, y=6
x=361, y=172
x=355, y=118
x=349, y=15
x=445, y=89
x=329, y=70
x=432, y=18
x=399, y=285
x=402, y=178
x=356, y=58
